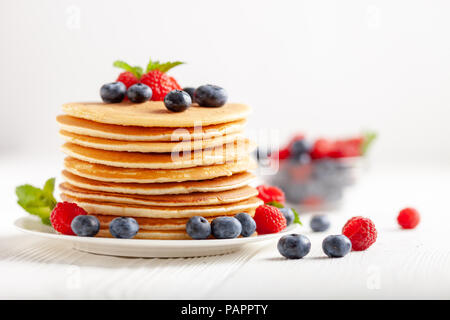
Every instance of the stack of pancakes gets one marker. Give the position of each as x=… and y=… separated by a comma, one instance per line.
x=159, y=167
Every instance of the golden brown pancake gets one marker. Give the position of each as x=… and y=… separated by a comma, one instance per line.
x=114, y=174
x=134, y=133
x=155, y=114
x=212, y=185
x=152, y=234
x=148, y=146
x=191, y=199
x=131, y=210
x=174, y=160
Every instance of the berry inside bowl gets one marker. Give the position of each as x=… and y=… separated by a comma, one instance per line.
x=314, y=175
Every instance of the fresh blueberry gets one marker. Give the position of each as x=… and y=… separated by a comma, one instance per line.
x=294, y=246
x=177, y=100
x=226, y=227
x=336, y=246
x=247, y=223
x=190, y=91
x=210, y=96
x=85, y=226
x=123, y=227
x=288, y=214
x=319, y=223
x=299, y=148
x=198, y=228
x=139, y=92
x=113, y=92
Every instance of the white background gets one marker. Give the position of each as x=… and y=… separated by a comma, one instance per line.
x=322, y=67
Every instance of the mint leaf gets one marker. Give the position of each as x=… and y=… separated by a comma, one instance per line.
x=369, y=138
x=39, y=202
x=163, y=67
x=296, y=217
x=136, y=70
x=275, y=204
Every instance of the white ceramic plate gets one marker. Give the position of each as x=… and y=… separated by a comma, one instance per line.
x=144, y=248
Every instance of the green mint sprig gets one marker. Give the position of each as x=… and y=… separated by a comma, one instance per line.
x=163, y=67
x=280, y=205
x=36, y=201
x=369, y=138
x=136, y=70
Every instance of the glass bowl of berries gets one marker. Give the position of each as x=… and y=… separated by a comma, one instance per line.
x=315, y=173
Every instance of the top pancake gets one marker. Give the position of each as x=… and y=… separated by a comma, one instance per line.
x=134, y=133
x=155, y=114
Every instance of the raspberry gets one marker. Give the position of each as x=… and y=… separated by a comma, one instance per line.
x=127, y=78
x=321, y=149
x=62, y=216
x=269, y=219
x=270, y=193
x=361, y=232
x=160, y=83
x=408, y=218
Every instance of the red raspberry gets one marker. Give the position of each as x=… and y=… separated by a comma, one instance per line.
x=127, y=78
x=160, y=83
x=62, y=216
x=408, y=218
x=269, y=219
x=361, y=232
x=344, y=149
x=321, y=149
x=270, y=193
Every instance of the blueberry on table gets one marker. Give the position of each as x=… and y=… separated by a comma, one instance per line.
x=85, y=226
x=319, y=223
x=210, y=96
x=123, y=227
x=177, y=101
x=198, y=228
x=247, y=223
x=288, y=214
x=190, y=92
x=139, y=93
x=294, y=246
x=336, y=246
x=226, y=228
x=113, y=92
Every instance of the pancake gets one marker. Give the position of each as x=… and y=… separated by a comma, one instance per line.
x=191, y=199
x=134, y=133
x=113, y=174
x=155, y=114
x=152, y=234
x=149, y=146
x=174, y=160
x=213, y=185
x=131, y=210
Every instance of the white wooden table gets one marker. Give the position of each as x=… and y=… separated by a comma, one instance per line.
x=401, y=264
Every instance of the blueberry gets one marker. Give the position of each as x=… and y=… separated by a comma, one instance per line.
x=226, y=228
x=247, y=223
x=210, y=96
x=319, y=223
x=113, y=92
x=288, y=214
x=294, y=246
x=123, y=227
x=139, y=92
x=177, y=100
x=198, y=228
x=85, y=226
x=299, y=148
x=190, y=91
x=336, y=246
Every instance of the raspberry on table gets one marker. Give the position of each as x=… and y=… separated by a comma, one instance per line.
x=408, y=218
x=62, y=216
x=270, y=193
x=361, y=232
x=269, y=219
